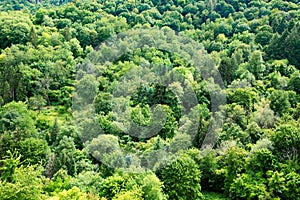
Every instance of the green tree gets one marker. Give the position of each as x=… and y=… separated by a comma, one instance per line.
x=286, y=140
x=181, y=178
x=8, y=166
x=67, y=156
x=263, y=37
x=279, y=102
x=261, y=161
x=15, y=28
x=37, y=102
x=224, y=9
x=54, y=132
x=264, y=116
x=12, y=75
x=86, y=90
x=234, y=164
x=292, y=46
x=111, y=186
x=152, y=187
x=134, y=194
x=294, y=82
x=244, y=187
x=211, y=179
x=256, y=64
x=103, y=102
x=244, y=97
x=227, y=70
x=16, y=124
x=87, y=181
x=34, y=151
x=73, y=193
x=28, y=185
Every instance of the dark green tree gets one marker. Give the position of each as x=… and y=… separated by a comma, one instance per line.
x=280, y=102
x=54, y=132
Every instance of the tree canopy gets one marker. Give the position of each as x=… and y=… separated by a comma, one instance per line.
x=149, y=99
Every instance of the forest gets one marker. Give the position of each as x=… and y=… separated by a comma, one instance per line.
x=149, y=99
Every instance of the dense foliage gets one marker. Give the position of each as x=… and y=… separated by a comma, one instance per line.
x=46, y=48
